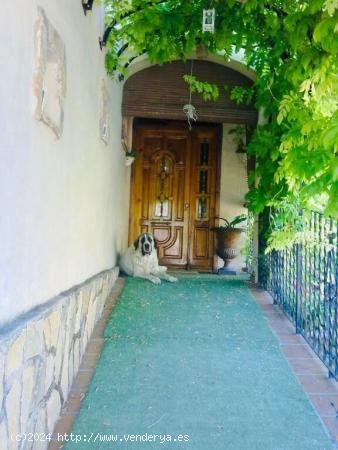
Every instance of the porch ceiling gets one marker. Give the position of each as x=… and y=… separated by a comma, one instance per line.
x=160, y=92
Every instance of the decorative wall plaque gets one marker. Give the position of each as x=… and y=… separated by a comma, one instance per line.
x=49, y=86
x=104, y=113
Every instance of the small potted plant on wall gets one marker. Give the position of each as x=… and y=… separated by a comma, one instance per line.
x=130, y=154
x=227, y=240
x=130, y=157
x=239, y=138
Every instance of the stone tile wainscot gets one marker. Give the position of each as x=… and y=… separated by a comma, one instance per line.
x=40, y=354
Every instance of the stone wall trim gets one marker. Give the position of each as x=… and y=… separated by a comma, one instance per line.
x=40, y=355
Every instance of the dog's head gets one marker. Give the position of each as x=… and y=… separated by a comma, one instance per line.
x=145, y=243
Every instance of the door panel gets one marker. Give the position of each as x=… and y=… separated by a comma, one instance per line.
x=173, y=192
x=201, y=242
x=160, y=173
x=202, y=197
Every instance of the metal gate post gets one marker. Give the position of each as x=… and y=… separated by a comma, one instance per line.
x=299, y=282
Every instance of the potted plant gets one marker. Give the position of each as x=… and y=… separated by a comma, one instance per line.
x=239, y=138
x=130, y=157
x=227, y=240
x=130, y=154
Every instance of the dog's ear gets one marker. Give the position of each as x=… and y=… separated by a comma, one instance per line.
x=136, y=243
x=155, y=243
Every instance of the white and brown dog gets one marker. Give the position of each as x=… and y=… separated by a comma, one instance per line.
x=140, y=260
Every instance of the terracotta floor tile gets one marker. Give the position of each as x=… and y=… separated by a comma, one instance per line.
x=332, y=425
x=82, y=381
x=55, y=445
x=62, y=427
x=95, y=346
x=264, y=301
x=326, y=405
x=308, y=366
x=318, y=384
x=281, y=327
x=279, y=323
x=269, y=308
x=297, y=351
x=262, y=297
x=272, y=311
x=274, y=316
x=72, y=404
x=99, y=329
x=89, y=361
x=290, y=338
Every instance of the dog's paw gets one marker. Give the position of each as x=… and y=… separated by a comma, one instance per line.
x=172, y=279
x=155, y=280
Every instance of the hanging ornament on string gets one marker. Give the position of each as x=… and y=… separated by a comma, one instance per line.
x=189, y=109
x=191, y=113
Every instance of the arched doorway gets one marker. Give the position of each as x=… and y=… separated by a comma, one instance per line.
x=175, y=183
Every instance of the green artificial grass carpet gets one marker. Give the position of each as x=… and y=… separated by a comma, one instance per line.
x=196, y=364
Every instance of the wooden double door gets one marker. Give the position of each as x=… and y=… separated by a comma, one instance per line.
x=174, y=191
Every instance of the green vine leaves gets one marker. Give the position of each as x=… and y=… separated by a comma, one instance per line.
x=292, y=45
x=209, y=91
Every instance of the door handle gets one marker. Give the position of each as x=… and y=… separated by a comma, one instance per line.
x=186, y=206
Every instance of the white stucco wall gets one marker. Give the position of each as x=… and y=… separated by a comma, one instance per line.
x=63, y=202
x=233, y=185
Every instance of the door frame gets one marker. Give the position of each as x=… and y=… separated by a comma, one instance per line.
x=180, y=124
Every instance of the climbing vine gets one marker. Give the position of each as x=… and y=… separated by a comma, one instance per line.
x=293, y=47
x=209, y=91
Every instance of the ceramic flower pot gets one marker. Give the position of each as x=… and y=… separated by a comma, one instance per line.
x=129, y=160
x=227, y=244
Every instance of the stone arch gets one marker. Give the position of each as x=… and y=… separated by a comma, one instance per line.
x=235, y=63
